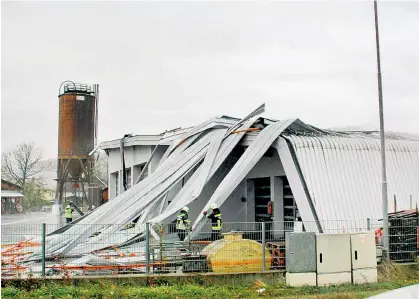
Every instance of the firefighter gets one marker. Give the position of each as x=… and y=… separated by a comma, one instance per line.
x=68, y=214
x=216, y=221
x=183, y=223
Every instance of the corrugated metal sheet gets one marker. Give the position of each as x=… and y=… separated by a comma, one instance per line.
x=185, y=140
x=343, y=174
x=185, y=197
x=127, y=205
x=256, y=112
x=239, y=171
x=159, y=191
x=208, y=162
x=333, y=176
x=148, y=192
x=296, y=181
x=135, y=199
x=176, y=148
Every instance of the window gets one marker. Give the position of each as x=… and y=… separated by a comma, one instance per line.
x=128, y=177
x=136, y=171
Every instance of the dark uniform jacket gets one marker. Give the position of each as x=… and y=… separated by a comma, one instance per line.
x=216, y=220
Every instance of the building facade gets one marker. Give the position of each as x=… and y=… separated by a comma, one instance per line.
x=11, y=198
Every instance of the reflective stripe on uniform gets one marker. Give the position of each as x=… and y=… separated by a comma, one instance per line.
x=180, y=223
x=68, y=213
x=219, y=224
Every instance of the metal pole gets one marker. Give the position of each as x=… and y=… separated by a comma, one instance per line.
x=395, y=203
x=263, y=247
x=368, y=223
x=123, y=173
x=411, y=202
x=147, y=248
x=43, y=248
x=383, y=153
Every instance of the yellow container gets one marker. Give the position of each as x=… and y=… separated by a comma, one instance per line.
x=235, y=254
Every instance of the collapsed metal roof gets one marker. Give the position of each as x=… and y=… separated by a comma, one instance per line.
x=333, y=176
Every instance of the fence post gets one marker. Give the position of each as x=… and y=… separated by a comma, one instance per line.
x=368, y=223
x=147, y=248
x=43, y=248
x=263, y=247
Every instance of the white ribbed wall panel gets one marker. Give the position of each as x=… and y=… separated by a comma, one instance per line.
x=343, y=174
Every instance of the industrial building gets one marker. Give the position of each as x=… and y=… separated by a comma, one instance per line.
x=273, y=176
x=283, y=173
x=307, y=174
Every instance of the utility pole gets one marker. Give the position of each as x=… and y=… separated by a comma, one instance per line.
x=383, y=147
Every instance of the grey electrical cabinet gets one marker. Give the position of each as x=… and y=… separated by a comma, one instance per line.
x=333, y=259
x=300, y=250
x=363, y=250
x=364, y=260
x=333, y=253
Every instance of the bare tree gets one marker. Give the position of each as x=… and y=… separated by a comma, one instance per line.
x=23, y=163
x=100, y=170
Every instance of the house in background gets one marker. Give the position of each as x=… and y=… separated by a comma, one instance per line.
x=11, y=198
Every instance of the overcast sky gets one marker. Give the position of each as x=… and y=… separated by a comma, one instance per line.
x=166, y=65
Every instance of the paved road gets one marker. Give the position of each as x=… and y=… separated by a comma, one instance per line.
x=28, y=218
x=18, y=227
x=32, y=218
x=410, y=292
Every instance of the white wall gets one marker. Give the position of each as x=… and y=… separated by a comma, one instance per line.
x=136, y=171
x=161, y=149
x=114, y=160
x=134, y=156
x=267, y=167
x=111, y=186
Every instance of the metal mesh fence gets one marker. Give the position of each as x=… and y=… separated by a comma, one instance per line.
x=44, y=249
